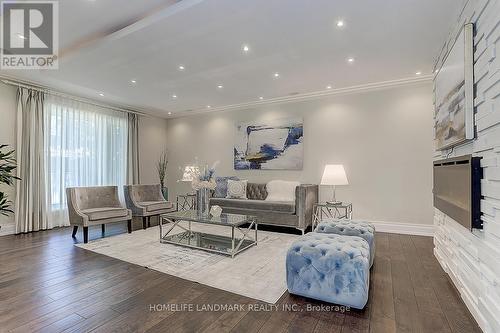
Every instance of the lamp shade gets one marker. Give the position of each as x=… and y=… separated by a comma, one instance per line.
x=334, y=174
x=190, y=171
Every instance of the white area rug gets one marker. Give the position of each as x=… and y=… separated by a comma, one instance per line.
x=258, y=272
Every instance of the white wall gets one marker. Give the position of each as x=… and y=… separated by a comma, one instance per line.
x=7, y=136
x=473, y=260
x=383, y=137
x=152, y=140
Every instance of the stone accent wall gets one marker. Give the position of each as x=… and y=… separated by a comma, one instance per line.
x=472, y=260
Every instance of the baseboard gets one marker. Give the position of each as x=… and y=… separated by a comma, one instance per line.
x=404, y=228
x=7, y=229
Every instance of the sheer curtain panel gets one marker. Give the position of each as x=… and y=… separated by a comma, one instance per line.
x=86, y=145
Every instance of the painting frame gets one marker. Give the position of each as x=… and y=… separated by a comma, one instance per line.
x=454, y=93
x=275, y=144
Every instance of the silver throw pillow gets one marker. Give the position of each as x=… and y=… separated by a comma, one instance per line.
x=237, y=189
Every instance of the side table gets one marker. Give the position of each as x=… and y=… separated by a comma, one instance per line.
x=335, y=211
x=186, y=202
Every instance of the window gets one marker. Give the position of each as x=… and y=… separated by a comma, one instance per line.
x=85, y=145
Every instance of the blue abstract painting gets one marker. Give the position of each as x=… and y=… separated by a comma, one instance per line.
x=273, y=145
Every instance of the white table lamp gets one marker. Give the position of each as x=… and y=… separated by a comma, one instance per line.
x=333, y=175
x=190, y=171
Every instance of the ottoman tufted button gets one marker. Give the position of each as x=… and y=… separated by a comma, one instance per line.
x=308, y=261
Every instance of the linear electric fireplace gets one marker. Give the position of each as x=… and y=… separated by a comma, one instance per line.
x=457, y=189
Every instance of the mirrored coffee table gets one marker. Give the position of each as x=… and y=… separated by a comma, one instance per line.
x=243, y=229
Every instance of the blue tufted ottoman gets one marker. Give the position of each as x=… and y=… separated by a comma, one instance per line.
x=358, y=228
x=330, y=268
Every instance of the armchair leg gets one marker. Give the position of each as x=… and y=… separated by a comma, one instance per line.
x=75, y=229
x=129, y=226
x=103, y=229
x=85, y=235
x=144, y=222
x=149, y=221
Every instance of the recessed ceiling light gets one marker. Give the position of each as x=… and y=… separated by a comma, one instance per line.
x=169, y=113
x=174, y=96
x=245, y=48
x=101, y=94
x=208, y=106
x=328, y=87
x=220, y=86
x=350, y=60
x=261, y=98
x=418, y=73
x=276, y=75
x=340, y=23
x=181, y=67
x=133, y=81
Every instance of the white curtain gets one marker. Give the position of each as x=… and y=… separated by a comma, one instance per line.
x=30, y=196
x=86, y=145
x=133, y=176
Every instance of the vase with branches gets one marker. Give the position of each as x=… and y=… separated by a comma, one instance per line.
x=7, y=167
x=161, y=167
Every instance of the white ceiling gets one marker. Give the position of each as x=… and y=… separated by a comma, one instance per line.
x=389, y=39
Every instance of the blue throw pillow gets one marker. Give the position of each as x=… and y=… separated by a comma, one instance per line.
x=221, y=188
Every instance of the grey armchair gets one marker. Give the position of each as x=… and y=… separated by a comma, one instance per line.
x=89, y=206
x=146, y=201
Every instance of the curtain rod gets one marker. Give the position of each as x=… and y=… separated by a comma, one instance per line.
x=69, y=96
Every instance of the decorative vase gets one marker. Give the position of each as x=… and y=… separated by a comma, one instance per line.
x=203, y=201
x=164, y=192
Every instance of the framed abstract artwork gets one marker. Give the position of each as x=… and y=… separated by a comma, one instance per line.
x=454, y=94
x=271, y=145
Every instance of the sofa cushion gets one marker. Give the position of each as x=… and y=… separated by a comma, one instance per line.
x=221, y=188
x=262, y=205
x=256, y=191
x=152, y=206
x=237, y=189
x=95, y=214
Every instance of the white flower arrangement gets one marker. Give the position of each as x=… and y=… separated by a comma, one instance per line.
x=205, y=179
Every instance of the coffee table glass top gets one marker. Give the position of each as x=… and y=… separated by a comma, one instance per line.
x=223, y=219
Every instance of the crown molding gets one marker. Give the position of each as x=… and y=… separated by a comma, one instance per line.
x=13, y=81
x=311, y=95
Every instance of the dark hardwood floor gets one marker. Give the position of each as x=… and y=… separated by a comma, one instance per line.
x=49, y=285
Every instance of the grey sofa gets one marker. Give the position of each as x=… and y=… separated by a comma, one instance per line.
x=296, y=214
x=146, y=201
x=89, y=206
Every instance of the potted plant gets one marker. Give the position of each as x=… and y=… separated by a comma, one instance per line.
x=161, y=167
x=7, y=167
